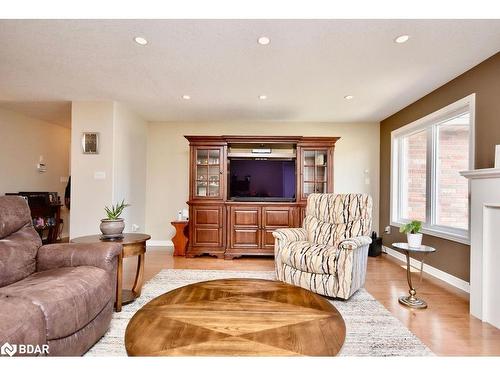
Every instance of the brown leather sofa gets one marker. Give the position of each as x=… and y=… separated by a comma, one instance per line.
x=60, y=295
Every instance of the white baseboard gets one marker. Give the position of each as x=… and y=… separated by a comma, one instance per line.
x=446, y=277
x=164, y=243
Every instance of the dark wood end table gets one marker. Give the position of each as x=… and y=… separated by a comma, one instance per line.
x=134, y=244
x=181, y=237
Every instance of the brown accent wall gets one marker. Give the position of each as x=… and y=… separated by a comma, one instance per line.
x=483, y=80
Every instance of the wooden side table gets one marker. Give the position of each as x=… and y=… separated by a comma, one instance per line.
x=134, y=244
x=181, y=237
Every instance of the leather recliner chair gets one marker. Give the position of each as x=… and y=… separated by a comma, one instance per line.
x=60, y=295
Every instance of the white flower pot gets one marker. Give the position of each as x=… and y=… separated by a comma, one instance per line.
x=111, y=227
x=414, y=240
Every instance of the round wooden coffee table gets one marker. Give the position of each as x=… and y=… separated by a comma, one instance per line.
x=134, y=244
x=236, y=317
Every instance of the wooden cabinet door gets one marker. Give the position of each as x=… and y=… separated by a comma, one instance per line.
x=244, y=227
x=316, y=171
x=207, y=226
x=302, y=215
x=208, y=178
x=275, y=218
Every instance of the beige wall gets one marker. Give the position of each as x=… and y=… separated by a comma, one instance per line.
x=122, y=158
x=22, y=141
x=129, y=180
x=90, y=195
x=168, y=162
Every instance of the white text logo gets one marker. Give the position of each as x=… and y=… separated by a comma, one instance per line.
x=11, y=349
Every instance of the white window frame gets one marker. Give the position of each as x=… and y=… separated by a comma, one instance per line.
x=454, y=234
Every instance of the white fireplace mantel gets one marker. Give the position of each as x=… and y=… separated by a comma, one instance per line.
x=485, y=244
x=482, y=173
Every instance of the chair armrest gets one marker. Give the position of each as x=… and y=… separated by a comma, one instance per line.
x=99, y=254
x=354, y=242
x=290, y=234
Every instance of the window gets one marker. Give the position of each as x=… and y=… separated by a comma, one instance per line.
x=427, y=156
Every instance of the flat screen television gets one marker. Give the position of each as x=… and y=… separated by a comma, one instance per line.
x=262, y=180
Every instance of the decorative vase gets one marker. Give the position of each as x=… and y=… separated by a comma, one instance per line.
x=414, y=240
x=112, y=227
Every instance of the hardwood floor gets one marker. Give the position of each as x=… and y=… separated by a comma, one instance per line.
x=445, y=326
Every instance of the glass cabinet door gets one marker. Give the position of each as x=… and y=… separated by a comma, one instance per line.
x=207, y=173
x=315, y=172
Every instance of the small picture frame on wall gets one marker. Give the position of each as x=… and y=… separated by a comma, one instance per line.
x=90, y=143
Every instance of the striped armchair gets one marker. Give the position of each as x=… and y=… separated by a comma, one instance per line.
x=328, y=255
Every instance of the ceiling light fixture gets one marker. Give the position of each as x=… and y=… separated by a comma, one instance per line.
x=262, y=97
x=186, y=97
x=402, y=39
x=264, y=40
x=140, y=40
x=348, y=97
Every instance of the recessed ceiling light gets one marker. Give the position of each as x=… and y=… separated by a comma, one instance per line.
x=348, y=97
x=186, y=97
x=264, y=40
x=402, y=39
x=140, y=40
x=262, y=97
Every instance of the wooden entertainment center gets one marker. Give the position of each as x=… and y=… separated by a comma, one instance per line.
x=228, y=227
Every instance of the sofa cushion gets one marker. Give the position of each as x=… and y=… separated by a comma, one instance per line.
x=310, y=257
x=18, y=255
x=325, y=233
x=21, y=322
x=70, y=297
x=19, y=242
x=320, y=232
x=340, y=208
x=14, y=214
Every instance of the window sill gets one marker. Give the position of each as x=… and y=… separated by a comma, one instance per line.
x=438, y=233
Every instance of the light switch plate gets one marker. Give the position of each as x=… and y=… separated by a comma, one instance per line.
x=99, y=175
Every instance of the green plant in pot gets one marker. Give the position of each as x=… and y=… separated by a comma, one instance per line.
x=413, y=235
x=113, y=225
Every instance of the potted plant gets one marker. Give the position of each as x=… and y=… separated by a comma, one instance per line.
x=413, y=235
x=113, y=225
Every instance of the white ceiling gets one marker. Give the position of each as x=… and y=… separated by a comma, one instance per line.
x=306, y=70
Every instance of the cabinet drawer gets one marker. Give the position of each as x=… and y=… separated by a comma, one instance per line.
x=245, y=217
x=280, y=217
x=268, y=239
x=207, y=237
x=247, y=238
x=206, y=215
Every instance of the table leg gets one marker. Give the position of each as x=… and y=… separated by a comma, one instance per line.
x=119, y=279
x=139, y=276
x=411, y=300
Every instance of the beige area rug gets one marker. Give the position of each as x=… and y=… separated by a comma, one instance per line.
x=371, y=329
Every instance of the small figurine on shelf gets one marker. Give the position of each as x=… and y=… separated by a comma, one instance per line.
x=39, y=222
